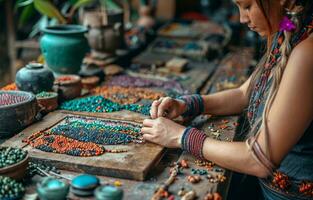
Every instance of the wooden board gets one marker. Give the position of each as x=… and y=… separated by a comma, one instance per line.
x=193, y=79
x=129, y=165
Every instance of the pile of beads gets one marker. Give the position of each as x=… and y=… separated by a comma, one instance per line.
x=45, y=94
x=9, y=87
x=281, y=180
x=10, y=189
x=306, y=188
x=199, y=171
x=126, y=95
x=82, y=136
x=12, y=98
x=194, y=179
x=32, y=169
x=100, y=104
x=131, y=81
x=10, y=156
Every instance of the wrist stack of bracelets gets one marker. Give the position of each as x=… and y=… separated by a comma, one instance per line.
x=193, y=139
x=194, y=103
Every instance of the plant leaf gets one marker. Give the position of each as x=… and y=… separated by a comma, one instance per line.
x=81, y=3
x=21, y=3
x=27, y=12
x=45, y=7
x=110, y=5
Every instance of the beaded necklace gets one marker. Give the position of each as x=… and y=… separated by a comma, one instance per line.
x=258, y=94
x=84, y=136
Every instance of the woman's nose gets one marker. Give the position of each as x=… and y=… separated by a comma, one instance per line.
x=244, y=18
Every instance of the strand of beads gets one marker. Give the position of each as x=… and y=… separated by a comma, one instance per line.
x=100, y=104
x=126, y=95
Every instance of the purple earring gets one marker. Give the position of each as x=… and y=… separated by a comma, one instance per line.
x=287, y=25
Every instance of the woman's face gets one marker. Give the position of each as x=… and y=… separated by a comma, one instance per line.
x=251, y=14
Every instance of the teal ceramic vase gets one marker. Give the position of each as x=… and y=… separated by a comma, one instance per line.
x=64, y=47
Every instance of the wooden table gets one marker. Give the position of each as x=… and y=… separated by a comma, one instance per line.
x=145, y=189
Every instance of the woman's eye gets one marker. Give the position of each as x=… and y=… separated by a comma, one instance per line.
x=247, y=7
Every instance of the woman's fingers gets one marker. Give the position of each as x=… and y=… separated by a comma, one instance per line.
x=163, y=107
x=154, y=108
x=146, y=130
x=148, y=137
x=148, y=123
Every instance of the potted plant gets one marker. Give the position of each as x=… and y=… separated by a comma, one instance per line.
x=63, y=44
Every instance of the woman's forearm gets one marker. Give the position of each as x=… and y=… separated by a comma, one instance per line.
x=232, y=155
x=227, y=102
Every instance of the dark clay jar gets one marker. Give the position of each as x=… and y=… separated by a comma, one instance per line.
x=34, y=78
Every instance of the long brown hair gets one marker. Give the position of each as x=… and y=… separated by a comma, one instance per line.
x=277, y=71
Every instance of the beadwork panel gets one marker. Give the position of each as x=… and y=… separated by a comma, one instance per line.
x=92, y=145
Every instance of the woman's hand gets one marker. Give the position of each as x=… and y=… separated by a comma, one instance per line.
x=163, y=131
x=167, y=107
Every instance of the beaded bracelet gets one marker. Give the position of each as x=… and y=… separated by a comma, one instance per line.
x=192, y=141
x=195, y=105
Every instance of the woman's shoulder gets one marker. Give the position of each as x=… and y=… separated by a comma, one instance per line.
x=302, y=54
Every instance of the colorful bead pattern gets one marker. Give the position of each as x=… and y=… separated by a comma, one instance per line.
x=195, y=105
x=258, y=95
x=83, y=136
x=130, y=81
x=10, y=99
x=100, y=104
x=126, y=95
x=192, y=141
x=64, y=145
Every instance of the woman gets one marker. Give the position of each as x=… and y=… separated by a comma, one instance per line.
x=279, y=98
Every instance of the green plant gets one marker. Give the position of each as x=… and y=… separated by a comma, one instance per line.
x=52, y=13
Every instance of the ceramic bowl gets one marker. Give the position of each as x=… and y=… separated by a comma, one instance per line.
x=16, y=171
x=68, y=86
x=90, y=82
x=17, y=110
x=48, y=103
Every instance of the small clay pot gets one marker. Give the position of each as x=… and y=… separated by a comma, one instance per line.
x=68, y=87
x=34, y=78
x=90, y=82
x=16, y=171
x=48, y=103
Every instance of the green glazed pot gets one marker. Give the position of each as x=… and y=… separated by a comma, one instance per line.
x=64, y=47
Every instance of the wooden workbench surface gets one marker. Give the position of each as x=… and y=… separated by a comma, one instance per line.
x=208, y=83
